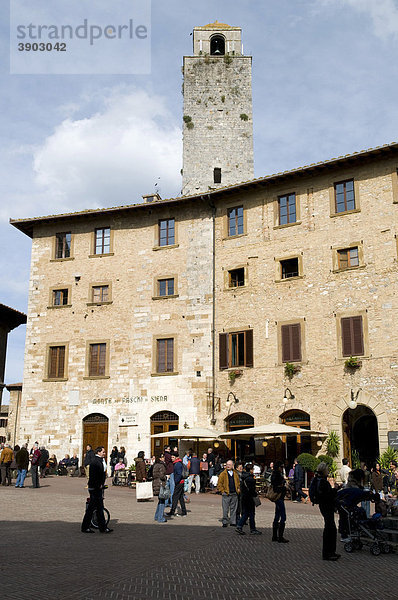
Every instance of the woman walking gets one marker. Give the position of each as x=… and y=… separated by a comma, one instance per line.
x=113, y=459
x=159, y=480
x=279, y=486
x=248, y=493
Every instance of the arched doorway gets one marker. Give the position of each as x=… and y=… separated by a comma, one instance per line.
x=245, y=448
x=295, y=445
x=95, y=431
x=162, y=422
x=217, y=45
x=360, y=435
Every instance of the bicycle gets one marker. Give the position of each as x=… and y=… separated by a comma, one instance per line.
x=94, y=519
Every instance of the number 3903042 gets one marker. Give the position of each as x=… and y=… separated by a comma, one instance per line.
x=42, y=47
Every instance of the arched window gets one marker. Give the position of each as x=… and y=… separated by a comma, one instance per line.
x=217, y=45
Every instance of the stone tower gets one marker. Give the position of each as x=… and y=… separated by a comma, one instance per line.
x=218, y=126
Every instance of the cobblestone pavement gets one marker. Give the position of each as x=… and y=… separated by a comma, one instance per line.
x=45, y=557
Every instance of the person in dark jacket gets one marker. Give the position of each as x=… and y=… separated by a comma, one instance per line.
x=279, y=486
x=248, y=493
x=327, y=500
x=88, y=457
x=194, y=473
x=169, y=471
x=140, y=467
x=178, y=495
x=73, y=468
x=22, y=460
x=159, y=480
x=298, y=482
x=43, y=460
x=34, y=465
x=96, y=482
x=113, y=459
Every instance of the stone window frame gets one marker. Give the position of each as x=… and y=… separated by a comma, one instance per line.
x=285, y=192
x=47, y=361
x=335, y=257
x=365, y=331
x=93, y=284
x=156, y=280
x=156, y=245
x=227, y=286
x=107, y=358
x=278, y=267
x=155, y=339
x=54, y=247
x=111, y=242
x=225, y=221
x=55, y=288
x=332, y=198
x=394, y=181
x=303, y=345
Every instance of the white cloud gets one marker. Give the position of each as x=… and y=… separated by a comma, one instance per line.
x=113, y=156
x=383, y=13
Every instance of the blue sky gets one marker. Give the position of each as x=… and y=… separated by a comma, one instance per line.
x=324, y=84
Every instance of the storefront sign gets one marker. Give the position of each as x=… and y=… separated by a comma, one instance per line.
x=127, y=420
x=130, y=400
x=393, y=439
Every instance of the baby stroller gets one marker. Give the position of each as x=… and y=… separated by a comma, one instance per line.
x=363, y=531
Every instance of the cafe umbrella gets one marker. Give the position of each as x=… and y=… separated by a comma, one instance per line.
x=190, y=433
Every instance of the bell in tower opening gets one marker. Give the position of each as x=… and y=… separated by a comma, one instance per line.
x=217, y=45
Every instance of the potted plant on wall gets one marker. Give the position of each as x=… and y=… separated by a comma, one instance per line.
x=352, y=363
x=232, y=375
x=291, y=369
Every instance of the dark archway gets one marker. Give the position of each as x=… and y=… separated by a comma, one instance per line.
x=360, y=435
x=162, y=422
x=293, y=446
x=241, y=449
x=217, y=45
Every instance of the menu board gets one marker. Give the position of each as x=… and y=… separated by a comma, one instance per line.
x=393, y=439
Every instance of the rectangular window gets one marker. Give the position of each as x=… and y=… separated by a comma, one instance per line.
x=348, y=258
x=63, y=245
x=236, y=349
x=352, y=336
x=236, y=278
x=235, y=221
x=166, y=232
x=217, y=175
x=289, y=268
x=166, y=287
x=56, y=362
x=165, y=355
x=97, y=360
x=102, y=240
x=100, y=293
x=60, y=297
x=344, y=195
x=287, y=209
x=291, y=342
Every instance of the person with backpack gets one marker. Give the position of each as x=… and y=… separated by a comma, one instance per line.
x=321, y=493
x=180, y=474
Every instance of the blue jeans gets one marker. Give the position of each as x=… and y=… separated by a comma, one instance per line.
x=366, y=506
x=171, y=486
x=21, y=477
x=159, y=514
x=280, y=512
x=248, y=513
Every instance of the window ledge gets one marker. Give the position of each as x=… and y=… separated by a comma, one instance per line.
x=97, y=377
x=101, y=255
x=348, y=269
x=235, y=289
x=346, y=212
x=165, y=297
x=233, y=237
x=342, y=359
x=168, y=374
x=289, y=279
x=62, y=259
x=287, y=225
x=60, y=306
x=155, y=248
x=99, y=303
x=55, y=379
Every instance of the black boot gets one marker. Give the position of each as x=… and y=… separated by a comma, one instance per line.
x=281, y=539
x=274, y=533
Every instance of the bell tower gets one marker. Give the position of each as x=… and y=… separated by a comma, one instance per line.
x=217, y=120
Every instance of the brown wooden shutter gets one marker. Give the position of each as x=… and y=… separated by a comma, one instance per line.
x=285, y=335
x=347, y=335
x=295, y=342
x=249, y=347
x=102, y=359
x=170, y=355
x=61, y=361
x=223, y=350
x=161, y=366
x=52, y=362
x=357, y=336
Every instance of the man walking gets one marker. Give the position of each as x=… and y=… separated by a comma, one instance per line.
x=178, y=495
x=344, y=471
x=229, y=486
x=22, y=460
x=88, y=457
x=96, y=481
x=34, y=465
x=194, y=473
x=44, y=456
x=298, y=482
x=169, y=472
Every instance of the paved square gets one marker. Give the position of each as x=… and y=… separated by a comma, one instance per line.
x=45, y=557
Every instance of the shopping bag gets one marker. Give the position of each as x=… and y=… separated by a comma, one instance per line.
x=144, y=490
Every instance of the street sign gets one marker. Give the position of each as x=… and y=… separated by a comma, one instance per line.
x=127, y=420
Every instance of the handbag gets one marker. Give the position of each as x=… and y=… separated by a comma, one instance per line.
x=144, y=490
x=257, y=501
x=270, y=494
x=164, y=493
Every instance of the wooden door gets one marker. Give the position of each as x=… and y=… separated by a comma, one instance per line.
x=95, y=434
x=159, y=443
